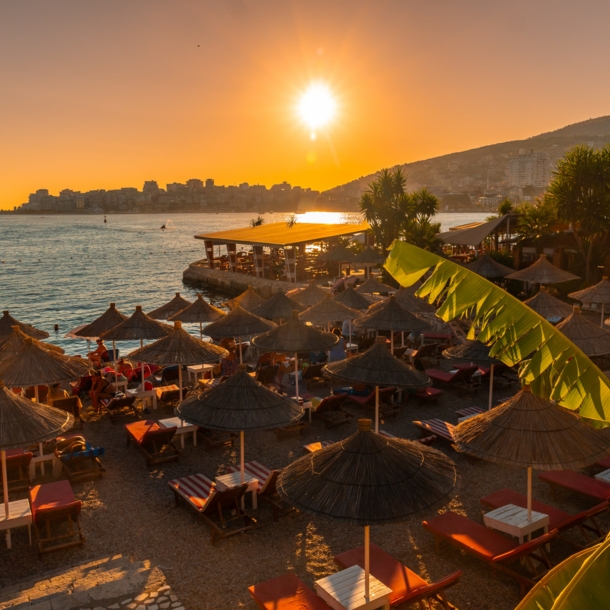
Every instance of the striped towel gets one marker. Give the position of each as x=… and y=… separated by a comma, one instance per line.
x=387, y=434
x=257, y=471
x=195, y=489
x=469, y=412
x=437, y=426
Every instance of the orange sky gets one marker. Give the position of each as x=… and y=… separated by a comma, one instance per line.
x=109, y=94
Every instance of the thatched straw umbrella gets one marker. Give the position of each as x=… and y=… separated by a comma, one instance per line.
x=406, y=298
x=389, y=315
x=528, y=431
x=542, y=272
x=340, y=254
x=475, y=352
x=278, y=307
x=110, y=319
x=372, y=285
x=239, y=323
x=200, y=311
x=368, y=479
x=293, y=337
x=328, y=311
x=311, y=295
x=240, y=404
x=378, y=367
x=23, y=422
x=599, y=294
x=33, y=365
x=350, y=298
x=247, y=300
x=171, y=308
x=548, y=306
x=589, y=337
x=368, y=258
x=488, y=267
x=6, y=327
x=137, y=326
x=15, y=342
x=180, y=348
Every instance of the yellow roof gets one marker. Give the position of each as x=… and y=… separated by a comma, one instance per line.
x=278, y=235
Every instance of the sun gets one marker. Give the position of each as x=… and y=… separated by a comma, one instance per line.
x=317, y=107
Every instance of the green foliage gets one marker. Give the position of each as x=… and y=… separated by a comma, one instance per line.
x=257, y=222
x=395, y=214
x=537, y=219
x=292, y=220
x=506, y=207
x=550, y=362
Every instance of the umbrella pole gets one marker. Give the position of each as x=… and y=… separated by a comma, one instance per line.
x=376, y=408
x=89, y=350
x=392, y=341
x=602, y=322
x=296, y=374
x=116, y=371
x=241, y=358
x=350, y=330
x=36, y=394
x=367, y=560
x=529, y=493
x=142, y=365
x=5, y=489
x=241, y=455
x=491, y=387
x=180, y=380
x=201, y=330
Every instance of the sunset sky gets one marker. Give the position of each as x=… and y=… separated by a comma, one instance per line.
x=104, y=94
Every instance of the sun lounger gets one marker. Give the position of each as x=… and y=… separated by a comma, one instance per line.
x=387, y=407
x=492, y=547
x=17, y=470
x=287, y=592
x=201, y=494
x=120, y=405
x=79, y=459
x=558, y=519
x=313, y=447
x=604, y=464
x=428, y=394
x=576, y=482
x=460, y=378
x=55, y=514
x=469, y=412
x=407, y=587
x=70, y=405
x=153, y=440
x=313, y=378
x=213, y=439
x=438, y=427
x=330, y=412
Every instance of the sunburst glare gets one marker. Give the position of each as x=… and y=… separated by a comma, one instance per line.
x=317, y=107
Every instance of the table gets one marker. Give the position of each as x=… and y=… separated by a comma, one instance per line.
x=603, y=476
x=228, y=481
x=512, y=520
x=351, y=347
x=345, y=591
x=182, y=428
x=19, y=515
x=120, y=385
x=144, y=396
x=196, y=370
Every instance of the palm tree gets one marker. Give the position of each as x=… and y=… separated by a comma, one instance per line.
x=257, y=222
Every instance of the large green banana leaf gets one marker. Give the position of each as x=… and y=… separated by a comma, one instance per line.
x=550, y=363
x=581, y=582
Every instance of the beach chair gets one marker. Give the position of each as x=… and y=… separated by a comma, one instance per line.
x=201, y=494
x=578, y=483
x=603, y=464
x=460, y=378
x=313, y=447
x=428, y=394
x=213, y=439
x=407, y=587
x=169, y=398
x=119, y=405
x=438, y=427
x=330, y=412
x=313, y=378
x=79, y=459
x=287, y=592
x=387, y=406
x=558, y=519
x=154, y=441
x=492, y=547
x=70, y=405
x=17, y=470
x=469, y=412
x=295, y=429
x=55, y=515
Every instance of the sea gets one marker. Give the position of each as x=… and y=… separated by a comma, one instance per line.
x=66, y=269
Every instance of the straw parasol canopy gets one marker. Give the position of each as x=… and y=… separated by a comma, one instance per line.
x=589, y=337
x=137, y=326
x=599, y=294
x=110, y=319
x=340, y=254
x=372, y=285
x=471, y=351
x=389, y=315
x=311, y=295
x=328, y=311
x=34, y=365
x=278, y=307
x=488, y=267
x=408, y=301
x=14, y=342
x=247, y=300
x=6, y=327
x=199, y=312
x=369, y=256
x=239, y=323
x=548, y=306
x=171, y=308
x=542, y=272
x=350, y=298
x=240, y=403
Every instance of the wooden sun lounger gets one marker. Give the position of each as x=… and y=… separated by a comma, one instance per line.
x=387, y=407
x=81, y=464
x=558, y=519
x=330, y=412
x=428, y=394
x=70, y=405
x=469, y=412
x=213, y=439
x=438, y=427
x=202, y=495
x=287, y=592
x=576, y=482
x=120, y=405
x=407, y=587
x=153, y=440
x=460, y=379
x=492, y=547
x=55, y=514
x=313, y=447
x=17, y=470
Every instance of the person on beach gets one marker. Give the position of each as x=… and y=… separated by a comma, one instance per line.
x=55, y=393
x=337, y=352
x=100, y=352
x=228, y=365
x=101, y=388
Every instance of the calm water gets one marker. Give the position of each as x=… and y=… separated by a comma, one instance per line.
x=66, y=269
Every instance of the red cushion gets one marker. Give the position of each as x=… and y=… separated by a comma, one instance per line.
x=11, y=453
x=287, y=592
x=604, y=463
x=52, y=497
x=440, y=375
x=428, y=392
x=478, y=539
x=577, y=482
x=403, y=582
x=138, y=430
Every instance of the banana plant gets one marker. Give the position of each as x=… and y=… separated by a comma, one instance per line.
x=549, y=362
